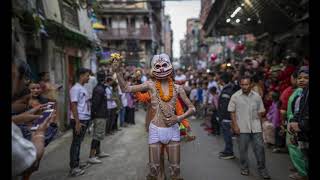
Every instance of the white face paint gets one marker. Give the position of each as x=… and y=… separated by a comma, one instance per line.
x=161, y=66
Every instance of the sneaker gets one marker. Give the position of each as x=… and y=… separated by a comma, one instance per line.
x=84, y=165
x=265, y=175
x=94, y=160
x=245, y=172
x=102, y=155
x=276, y=150
x=296, y=176
x=226, y=156
x=76, y=172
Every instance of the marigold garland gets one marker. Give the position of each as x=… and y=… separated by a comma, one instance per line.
x=146, y=98
x=162, y=96
x=143, y=97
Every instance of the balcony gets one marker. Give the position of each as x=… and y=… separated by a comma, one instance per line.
x=70, y=16
x=126, y=33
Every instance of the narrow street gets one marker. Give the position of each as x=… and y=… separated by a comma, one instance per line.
x=129, y=157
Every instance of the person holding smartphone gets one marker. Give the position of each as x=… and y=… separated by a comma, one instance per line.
x=26, y=154
x=36, y=102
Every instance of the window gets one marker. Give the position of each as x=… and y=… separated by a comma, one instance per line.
x=133, y=22
x=104, y=21
x=70, y=15
x=145, y=20
x=110, y=22
x=123, y=23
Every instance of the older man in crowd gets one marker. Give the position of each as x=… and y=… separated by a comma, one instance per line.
x=246, y=108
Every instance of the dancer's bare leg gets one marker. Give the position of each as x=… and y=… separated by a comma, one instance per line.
x=161, y=175
x=154, y=161
x=173, y=149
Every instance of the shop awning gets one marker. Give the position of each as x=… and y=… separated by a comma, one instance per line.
x=228, y=17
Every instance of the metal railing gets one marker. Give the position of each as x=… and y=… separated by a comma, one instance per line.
x=126, y=33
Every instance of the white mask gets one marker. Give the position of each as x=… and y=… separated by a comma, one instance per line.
x=161, y=66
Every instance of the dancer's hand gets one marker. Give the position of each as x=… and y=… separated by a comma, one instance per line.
x=171, y=120
x=116, y=61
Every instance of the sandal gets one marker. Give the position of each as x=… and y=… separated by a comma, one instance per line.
x=296, y=176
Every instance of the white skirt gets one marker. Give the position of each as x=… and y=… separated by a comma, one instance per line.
x=163, y=135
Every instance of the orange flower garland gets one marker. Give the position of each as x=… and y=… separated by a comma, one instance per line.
x=162, y=96
x=146, y=98
x=143, y=97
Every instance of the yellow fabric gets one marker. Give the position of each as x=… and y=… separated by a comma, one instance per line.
x=98, y=26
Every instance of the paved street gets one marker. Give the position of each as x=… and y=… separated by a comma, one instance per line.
x=129, y=156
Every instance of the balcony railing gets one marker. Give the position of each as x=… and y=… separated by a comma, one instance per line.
x=70, y=16
x=125, y=33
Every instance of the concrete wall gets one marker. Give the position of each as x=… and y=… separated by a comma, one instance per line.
x=18, y=41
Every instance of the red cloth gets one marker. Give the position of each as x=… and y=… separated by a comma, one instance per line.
x=273, y=87
x=285, y=77
x=284, y=97
x=286, y=73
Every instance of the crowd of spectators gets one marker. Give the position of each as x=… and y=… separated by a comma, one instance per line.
x=98, y=104
x=280, y=84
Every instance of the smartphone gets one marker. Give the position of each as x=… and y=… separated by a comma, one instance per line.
x=50, y=105
x=45, y=114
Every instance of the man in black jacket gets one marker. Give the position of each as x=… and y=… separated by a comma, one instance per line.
x=99, y=116
x=224, y=116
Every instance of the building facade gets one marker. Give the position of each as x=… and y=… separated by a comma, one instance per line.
x=190, y=45
x=168, y=36
x=133, y=29
x=53, y=39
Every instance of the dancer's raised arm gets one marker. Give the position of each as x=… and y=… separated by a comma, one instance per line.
x=123, y=85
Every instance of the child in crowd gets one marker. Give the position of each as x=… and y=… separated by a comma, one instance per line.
x=214, y=109
x=273, y=116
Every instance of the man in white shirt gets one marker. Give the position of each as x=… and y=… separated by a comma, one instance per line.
x=246, y=108
x=111, y=107
x=80, y=119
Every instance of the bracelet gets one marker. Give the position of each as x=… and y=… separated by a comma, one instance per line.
x=39, y=135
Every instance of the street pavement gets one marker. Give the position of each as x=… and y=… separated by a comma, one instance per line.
x=129, y=158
